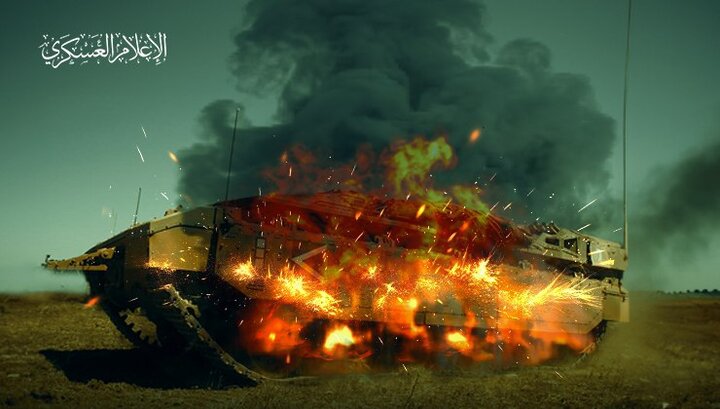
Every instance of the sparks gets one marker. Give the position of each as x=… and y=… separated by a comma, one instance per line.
x=141, y=155
x=143, y=130
x=164, y=195
x=585, y=207
x=244, y=271
x=420, y=211
x=172, y=156
x=574, y=291
x=440, y=267
x=447, y=204
x=584, y=227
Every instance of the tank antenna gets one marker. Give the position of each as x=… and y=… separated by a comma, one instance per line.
x=137, y=207
x=232, y=147
x=624, y=130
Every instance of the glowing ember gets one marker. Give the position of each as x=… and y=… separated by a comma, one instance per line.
x=92, y=302
x=475, y=135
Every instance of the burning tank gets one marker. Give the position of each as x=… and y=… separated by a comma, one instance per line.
x=270, y=286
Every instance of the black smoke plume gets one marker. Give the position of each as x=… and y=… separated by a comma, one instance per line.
x=368, y=72
x=676, y=221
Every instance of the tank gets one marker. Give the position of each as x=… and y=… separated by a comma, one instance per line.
x=276, y=286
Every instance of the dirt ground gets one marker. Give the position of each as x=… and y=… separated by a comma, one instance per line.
x=55, y=353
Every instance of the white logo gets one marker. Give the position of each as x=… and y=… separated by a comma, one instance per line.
x=113, y=47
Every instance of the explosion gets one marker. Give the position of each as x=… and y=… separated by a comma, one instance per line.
x=338, y=336
x=434, y=269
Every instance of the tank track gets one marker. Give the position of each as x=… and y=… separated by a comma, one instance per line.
x=133, y=325
x=183, y=316
x=597, y=334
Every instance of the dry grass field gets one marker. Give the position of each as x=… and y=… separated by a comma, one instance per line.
x=55, y=353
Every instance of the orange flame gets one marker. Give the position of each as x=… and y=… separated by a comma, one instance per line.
x=396, y=265
x=290, y=287
x=457, y=341
x=338, y=336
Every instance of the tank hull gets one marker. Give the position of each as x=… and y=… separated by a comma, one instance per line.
x=267, y=282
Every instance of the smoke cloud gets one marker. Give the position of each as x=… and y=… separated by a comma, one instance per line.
x=351, y=73
x=676, y=221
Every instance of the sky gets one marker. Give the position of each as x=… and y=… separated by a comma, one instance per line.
x=69, y=162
